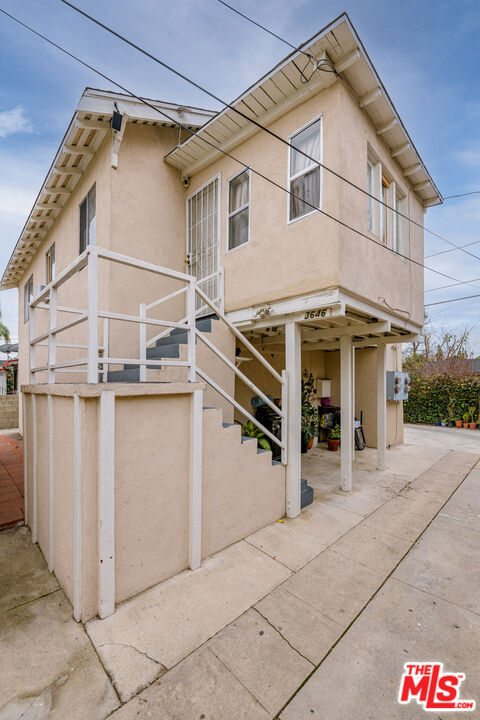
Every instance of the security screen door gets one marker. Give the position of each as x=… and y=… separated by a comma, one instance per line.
x=203, y=242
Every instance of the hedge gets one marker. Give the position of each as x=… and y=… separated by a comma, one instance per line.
x=429, y=399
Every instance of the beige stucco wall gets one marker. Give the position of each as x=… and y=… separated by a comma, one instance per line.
x=366, y=391
x=284, y=260
x=242, y=491
x=65, y=234
x=366, y=269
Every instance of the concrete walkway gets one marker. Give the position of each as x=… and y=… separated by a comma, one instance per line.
x=246, y=635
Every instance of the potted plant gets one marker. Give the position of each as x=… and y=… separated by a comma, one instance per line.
x=466, y=418
x=437, y=423
x=472, y=423
x=451, y=423
x=251, y=430
x=458, y=422
x=444, y=422
x=333, y=438
x=309, y=413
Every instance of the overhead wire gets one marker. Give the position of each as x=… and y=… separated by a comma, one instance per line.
x=459, y=247
x=463, y=282
x=175, y=121
x=258, y=124
x=444, y=302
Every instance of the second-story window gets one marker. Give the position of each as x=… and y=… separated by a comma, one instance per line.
x=87, y=220
x=304, y=173
x=239, y=209
x=386, y=208
x=27, y=296
x=50, y=264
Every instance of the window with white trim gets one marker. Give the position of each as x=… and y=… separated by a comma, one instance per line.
x=400, y=222
x=304, y=174
x=88, y=213
x=239, y=209
x=27, y=296
x=50, y=264
x=382, y=217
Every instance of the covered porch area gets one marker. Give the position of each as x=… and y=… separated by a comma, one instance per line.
x=349, y=343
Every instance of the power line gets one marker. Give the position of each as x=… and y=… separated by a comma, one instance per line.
x=444, y=302
x=270, y=32
x=464, y=282
x=258, y=124
x=458, y=247
x=449, y=197
x=316, y=63
x=224, y=152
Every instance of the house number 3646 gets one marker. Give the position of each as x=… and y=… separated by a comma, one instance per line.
x=311, y=314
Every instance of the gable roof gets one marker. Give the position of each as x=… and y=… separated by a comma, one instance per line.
x=86, y=131
x=282, y=88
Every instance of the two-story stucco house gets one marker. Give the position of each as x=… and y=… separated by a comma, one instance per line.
x=179, y=263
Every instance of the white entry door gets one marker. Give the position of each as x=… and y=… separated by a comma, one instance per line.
x=203, y=242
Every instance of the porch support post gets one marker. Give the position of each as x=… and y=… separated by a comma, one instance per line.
x=106, y=504
x=77, y=509
x=196, y=464
x=92, y=320
x=34, y=469
x=346, y=443
x=50, y=481
x=353, y=402
x=293, y=366
x=381, y=407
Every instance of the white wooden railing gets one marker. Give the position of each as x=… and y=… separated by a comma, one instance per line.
x=96, y=362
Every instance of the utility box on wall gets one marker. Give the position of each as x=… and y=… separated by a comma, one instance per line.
x=398, y=385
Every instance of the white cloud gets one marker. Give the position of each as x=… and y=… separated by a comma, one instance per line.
x=471, y=156
x=14, y=121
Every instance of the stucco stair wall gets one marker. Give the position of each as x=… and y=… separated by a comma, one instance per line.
x=174, y=346
x=243, y=489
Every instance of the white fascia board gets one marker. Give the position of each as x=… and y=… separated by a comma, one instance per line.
x=297, y=97
x=280, y=310
x=363, y=306
x=102, y=104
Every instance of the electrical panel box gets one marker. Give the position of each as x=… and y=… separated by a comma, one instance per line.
x=398, y=385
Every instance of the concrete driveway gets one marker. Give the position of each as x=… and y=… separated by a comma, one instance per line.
x=311, y=617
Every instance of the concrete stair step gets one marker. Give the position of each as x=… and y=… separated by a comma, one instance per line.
x=178, y=335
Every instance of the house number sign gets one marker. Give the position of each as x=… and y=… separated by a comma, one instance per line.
x=320, y=313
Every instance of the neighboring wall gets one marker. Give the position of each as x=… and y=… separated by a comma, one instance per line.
x=8, y=411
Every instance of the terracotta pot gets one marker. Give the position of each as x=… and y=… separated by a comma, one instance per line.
x=458, y=423
x=472, y=426
x=310, y=444
x=465, y=425
x=333, y=444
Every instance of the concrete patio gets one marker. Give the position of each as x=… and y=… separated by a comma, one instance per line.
x=250, y=634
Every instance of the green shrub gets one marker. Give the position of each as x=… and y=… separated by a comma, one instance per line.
x=438, y=397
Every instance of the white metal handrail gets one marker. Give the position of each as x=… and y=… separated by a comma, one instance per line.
x=282, y=379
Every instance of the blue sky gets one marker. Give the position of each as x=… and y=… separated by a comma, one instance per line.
x=426, y=53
